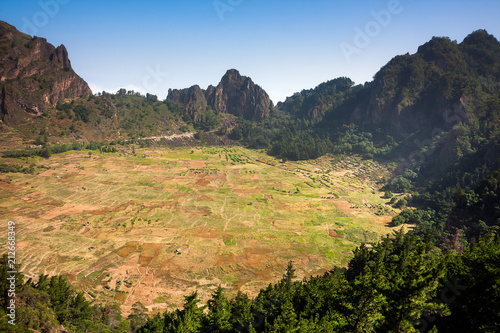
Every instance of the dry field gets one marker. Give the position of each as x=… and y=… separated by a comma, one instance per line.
x=113, y=222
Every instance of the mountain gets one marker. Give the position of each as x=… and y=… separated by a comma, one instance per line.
x=34, y=76
x=235, y=94
x=429, y=109
x=441, y=81
x=442, y=84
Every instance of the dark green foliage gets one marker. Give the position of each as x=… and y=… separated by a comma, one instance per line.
x=236, y=134
x=45, y=152
x=83, y=113
x=396, y=281
x=473, y=290
x=187, y=320
x=400, y=184
x=300, y=146
x=453, y=216
x=94, y=145
x=138, y=317
x=414, y=216
x=313, y=104
x=219, y=316
x=477, y=210
x=49, y=303
x=401, y=203
x=22, y=153
x=17, y=168
x=388, y=195
x=207, y=120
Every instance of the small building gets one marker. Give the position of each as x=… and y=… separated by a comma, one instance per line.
x=178, y=251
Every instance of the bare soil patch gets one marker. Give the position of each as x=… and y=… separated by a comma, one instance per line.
x=148, y=253
x=344, y=207
x=203, y=182
x=128, y=249
x=333, y=233
x=68, y=209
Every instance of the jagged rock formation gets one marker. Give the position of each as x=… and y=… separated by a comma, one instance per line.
x=34, y=75
x=194, y=99
x=235, y=94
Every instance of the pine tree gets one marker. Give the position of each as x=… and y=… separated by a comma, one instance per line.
x=219, y=316
x=139, y=316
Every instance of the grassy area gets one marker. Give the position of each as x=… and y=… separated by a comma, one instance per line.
x=170, y=220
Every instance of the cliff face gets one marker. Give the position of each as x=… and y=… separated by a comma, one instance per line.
x=235, y=94
x=34, y=75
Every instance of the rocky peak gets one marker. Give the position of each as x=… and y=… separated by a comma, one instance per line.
x=238, y=95
x=34, y=75
x=235, y=94
x=61, y=57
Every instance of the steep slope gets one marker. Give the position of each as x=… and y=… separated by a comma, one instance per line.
x=34, y=76
x=235, y=94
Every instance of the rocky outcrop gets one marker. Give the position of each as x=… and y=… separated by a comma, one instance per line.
x=34, y=75
x=193, y=99
x=235, y=94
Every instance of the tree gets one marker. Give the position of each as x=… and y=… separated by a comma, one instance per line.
x=400, y=184
x=138, y=317
x=5, y=284
x=219, y=315
x=393, y=283
x=187, y=320
x=289, y=274
x=45, y=153
x=473, y=288
x=388, y=195
x=401, y=203
x=32, y=313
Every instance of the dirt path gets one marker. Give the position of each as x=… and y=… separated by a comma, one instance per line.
x=229, y=220
x=169, y=137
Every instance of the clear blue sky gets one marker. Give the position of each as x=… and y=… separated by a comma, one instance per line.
x=284, y=46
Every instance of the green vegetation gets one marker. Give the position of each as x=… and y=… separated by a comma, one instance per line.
x=50, y=303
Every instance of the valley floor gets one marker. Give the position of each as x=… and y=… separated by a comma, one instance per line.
x=153, y=225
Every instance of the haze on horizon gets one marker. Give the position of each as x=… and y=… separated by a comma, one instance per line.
x=284, y=46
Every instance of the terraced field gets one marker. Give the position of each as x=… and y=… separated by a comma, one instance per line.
x=152, y=225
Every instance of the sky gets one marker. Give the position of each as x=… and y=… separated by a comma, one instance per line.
x=284, y=46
